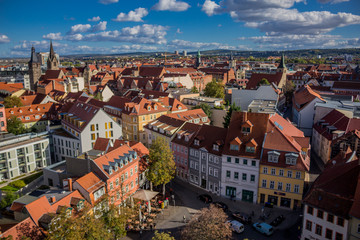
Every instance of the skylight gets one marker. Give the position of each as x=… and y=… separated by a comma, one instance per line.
x=279, y=126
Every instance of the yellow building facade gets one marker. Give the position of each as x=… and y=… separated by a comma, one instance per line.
x=281, y=186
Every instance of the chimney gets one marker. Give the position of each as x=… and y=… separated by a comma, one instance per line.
x=70, y=184
x=127, y=143
x=52, y=199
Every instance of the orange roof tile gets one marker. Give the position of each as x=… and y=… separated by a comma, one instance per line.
x=90, y=182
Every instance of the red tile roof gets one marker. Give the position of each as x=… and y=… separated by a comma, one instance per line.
x=90, y=182
x=191, y=115
x=257, y=77
x=172, y=103
x=33, y=113
x=10, y=87
x=25, y=229
x=142, y=106
x=304, y=96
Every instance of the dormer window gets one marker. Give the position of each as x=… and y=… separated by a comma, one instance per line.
x=197, y=142
x=246, y=127
x=250, y=149
x=110, y=171
x=251, y=146
x=246, y=130
x=186, y=138
x=155, y=107
x=178, y=136
x=234, y=147
x=149, y=108
x=116, y=168
x=291, y=158
x=273, y=156
x=180, y=107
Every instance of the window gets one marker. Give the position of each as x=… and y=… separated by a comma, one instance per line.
x=280, y=185
x=252, y=178
x=273, y=171
x=328, y=234
x=298, y=175
x=250, y=149
x=236, y=175
x=92, y=127
x=281, y=172
x=126, y=175
x=273, y=156
x=340, y=221
x=330, y=218
x=265, y=170
x=229, y=159
x=308, y=225
x=93, y=136
x=228, y=174
x=272, y=183
x=318, y=230
x=106, y=125
x=136, y=169
x=289, y=174
x=234, y=147
x=216, y=173
x=253, y=163
x=131, y=172
x=338, y=236
x=320, y=214
x=291, y=160
x=203, y=168
x=263, y=183
x=296, y=188
x=211, y=171
x=245, y=129
x=111, y=186
x=211, y=158
x=245, y=161
x=358, y=228
x=244, y=176
x=237, y=160
x=310, y=210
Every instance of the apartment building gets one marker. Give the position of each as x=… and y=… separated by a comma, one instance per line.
x=23, y=154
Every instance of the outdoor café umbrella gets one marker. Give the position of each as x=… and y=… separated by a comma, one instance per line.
x=145, y=195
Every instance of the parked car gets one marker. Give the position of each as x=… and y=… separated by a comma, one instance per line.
x=236, y=226
x=221, y=205
x=264, y=228
x=277, y=221
x=242, y=217
x=206, y=198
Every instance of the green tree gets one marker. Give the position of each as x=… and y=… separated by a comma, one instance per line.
x=214, y=89
x=210, y=224
x=162, y=236
x=194, y=89
x=15, y=126
x=8, y=199
x=115, y=223
x=205, y=107
x=161, y=163
x=98, y=96
x=263, y=81
x=227, y=118
x=12, y=101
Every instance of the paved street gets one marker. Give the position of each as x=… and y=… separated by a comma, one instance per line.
x=187, y=204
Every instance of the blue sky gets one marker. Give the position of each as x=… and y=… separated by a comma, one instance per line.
x=117, y=26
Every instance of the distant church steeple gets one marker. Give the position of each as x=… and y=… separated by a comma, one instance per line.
x=232, y=62
x=52, y=62
x=282, y=66
x=34, y=69
x=198, y=60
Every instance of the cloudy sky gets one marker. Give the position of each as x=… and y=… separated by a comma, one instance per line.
x=117, y=26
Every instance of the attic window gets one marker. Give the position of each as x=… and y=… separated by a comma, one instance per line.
x=215, y=147
x=155, y=107
x=116, y=168
x=180, y=108
x=273, y=156
x=186, y=138
x=197, y=142
x=291, y=158
x=149, y=108
x=245, y=129
x=179, y=136
x=250, y=149
x=110, y=171
x=234, y=147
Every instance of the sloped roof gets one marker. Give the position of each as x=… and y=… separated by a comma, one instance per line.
x=208, y=136
x=24, y=229
x=82, y=111
x=90, y=182
x=191, y=115
x=305, y=95
x=257, y=77
x=34, y=112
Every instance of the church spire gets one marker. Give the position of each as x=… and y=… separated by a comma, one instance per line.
x=198, y=59
x=52, y=53
x=33, y=58
x=52, y=61
x=282, y=62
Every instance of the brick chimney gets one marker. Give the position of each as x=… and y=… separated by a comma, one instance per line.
x=52, y=199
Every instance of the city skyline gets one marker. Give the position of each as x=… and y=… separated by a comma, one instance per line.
x=116, y=26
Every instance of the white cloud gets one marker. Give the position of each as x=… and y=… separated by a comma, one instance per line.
x=94, y=19
x=293, y=41
x=279, y=16
x=79, y=28
x=132, y=16
x=178, y=31
x=53, y=36
x=108, y=1
x=332, y=1
x=133, y=47
x=210, y=7
x=4, y=38
x=101, y=26
x=183, y=44
x=171, y=5
x=145, y=33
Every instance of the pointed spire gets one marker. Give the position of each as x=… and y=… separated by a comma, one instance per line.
x=282, y=62
x=231, y=56
x=52, y=53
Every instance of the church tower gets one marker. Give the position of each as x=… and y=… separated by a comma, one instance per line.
x=282, y=67
x=52, y=62
x=198, y=60
x=232, y=62
x=34, y=70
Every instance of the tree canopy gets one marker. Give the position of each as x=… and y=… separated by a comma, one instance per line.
x=15, y=126
x=161, y=163
x=264, y=81
x=205, y=107
x=162, y=236
x=288, y=90
x=227, y=118
x=214, y=89
x=12, y=101
x=194, y=89
x=210, y=224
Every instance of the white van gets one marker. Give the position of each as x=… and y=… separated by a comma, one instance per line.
x=236, y=226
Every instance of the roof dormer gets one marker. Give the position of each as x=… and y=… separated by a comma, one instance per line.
x=246, y=127
x=235, y=144
x=251, y=146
